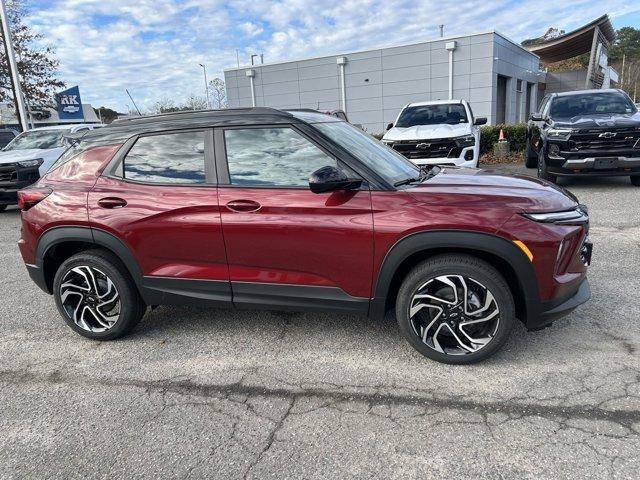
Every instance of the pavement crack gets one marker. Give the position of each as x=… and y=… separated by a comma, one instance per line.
x=626, y=418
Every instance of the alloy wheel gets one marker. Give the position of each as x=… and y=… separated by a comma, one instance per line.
x=454, y=314
x=90, y=299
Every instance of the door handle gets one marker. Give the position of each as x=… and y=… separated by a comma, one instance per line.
x=112, y=202
x=243, y=205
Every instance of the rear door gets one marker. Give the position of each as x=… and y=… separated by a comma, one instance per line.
x=160, y=200
x=286, y=245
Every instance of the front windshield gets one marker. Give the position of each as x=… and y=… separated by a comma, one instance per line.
x=596, y=103
x=386, y=162
x=450, y=113
x=40, y=139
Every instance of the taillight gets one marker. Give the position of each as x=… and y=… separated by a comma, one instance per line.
x=29, y=197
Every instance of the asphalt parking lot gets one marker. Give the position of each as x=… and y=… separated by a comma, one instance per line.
x=196, y=393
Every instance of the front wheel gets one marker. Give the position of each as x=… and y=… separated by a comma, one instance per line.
x=96, y=296
x=3, y=208
x=543, y=169
x=635, y=180
x=455, y=309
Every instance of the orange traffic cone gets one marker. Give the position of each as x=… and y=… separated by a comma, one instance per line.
x=501, y=137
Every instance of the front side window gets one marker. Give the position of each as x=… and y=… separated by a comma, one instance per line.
x=450, y=113
x=278, y=156
x=167, y=158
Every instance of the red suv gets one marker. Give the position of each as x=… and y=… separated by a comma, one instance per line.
x=261, y=208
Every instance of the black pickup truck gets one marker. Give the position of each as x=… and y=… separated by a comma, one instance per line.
x=582, y=133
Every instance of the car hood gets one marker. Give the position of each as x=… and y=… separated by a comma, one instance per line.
x=470, y=186
x=427, y=132
x=48, y=156
x=599, y=121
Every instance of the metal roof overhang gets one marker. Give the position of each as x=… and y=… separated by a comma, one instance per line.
x=574, y=43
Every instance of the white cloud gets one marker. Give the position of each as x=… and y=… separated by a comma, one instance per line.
x=153, y=47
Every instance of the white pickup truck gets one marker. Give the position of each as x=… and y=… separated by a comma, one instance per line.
x=442, y=132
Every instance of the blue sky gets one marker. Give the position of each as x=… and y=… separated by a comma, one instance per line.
x=153, y=47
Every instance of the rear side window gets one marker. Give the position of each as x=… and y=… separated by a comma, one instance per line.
x=168, y=158
x=272, y=157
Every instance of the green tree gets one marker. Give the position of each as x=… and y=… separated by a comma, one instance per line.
x=106, y=114
x=627, y=43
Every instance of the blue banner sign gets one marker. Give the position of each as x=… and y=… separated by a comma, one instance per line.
x=69, y=104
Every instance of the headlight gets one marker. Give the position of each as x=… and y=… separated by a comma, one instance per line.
x=578, y=215
x=387, y=142
x=559, y=133
x=466, y=141
x=31, y=163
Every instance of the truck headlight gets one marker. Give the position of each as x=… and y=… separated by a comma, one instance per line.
x=559, y=133
x=36, y=162
x=466, y=141
x=389, y=143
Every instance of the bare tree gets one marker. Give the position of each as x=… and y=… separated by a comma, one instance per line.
x=165, y=105
x=195, y=102
x=37, y=66
x=219, y=93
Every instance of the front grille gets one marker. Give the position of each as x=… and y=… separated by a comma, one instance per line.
x=438, y=148
x=8, y=173
x=609, y=139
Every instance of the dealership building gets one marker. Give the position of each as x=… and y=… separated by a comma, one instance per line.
x=502, y=80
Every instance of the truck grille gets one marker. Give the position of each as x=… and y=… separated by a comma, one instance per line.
x=8, y=173
x=610, y=139
x=438, y=148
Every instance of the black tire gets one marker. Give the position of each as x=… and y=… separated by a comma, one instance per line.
x=635, y=180
x=473, y=270
x=131, y=306
x=543, y=171
x=530, y=157
x=3, y=208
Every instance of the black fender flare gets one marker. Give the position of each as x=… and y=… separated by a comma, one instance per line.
x=62, y=234
x=460, y=240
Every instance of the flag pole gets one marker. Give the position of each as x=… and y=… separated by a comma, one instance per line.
x=13, y=68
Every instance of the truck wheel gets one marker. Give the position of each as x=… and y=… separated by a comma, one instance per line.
x=635, y=180
x=543, y=171
x=96, y=296
x=455, y=309
x=530, y=157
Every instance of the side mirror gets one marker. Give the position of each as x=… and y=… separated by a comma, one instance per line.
x=536, y=117
x=389, y=126
x=329, y=179
x=480, y=121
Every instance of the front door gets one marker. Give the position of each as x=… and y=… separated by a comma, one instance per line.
x=287, y=246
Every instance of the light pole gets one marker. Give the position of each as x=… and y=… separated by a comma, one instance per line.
x=11, y=60
x=206, y=84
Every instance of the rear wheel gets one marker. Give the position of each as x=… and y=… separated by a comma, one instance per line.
x=3, y=208
x=455, y=309
x=530, y=157
x=543, y=171
x=96, y=295
x=635, y=180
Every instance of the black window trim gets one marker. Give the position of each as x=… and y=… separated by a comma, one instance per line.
x=114, y=168
x=222, y=164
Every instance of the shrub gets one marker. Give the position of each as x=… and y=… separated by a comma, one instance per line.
x=516, y=134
